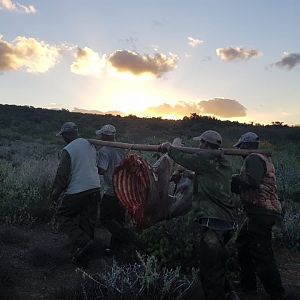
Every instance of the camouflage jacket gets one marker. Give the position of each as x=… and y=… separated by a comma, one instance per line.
x=213, y=198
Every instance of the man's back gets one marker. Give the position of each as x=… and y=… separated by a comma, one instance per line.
x=83, y=171
x=212, y=185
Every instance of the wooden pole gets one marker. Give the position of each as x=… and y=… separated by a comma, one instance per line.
x=155, y=148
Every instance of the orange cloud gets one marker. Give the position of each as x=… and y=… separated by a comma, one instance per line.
x=29, y=54
x=224, y=108
x=87, y=62
x=137, y=64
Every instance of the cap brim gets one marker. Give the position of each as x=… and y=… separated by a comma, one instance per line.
x=59, y=133
x=197, y=138
x=236, y=145
x=106, y=133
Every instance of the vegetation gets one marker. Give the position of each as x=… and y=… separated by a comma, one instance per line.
x=29, y=155
x=142, y=280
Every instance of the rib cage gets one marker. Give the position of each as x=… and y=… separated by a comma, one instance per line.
x=134, y=185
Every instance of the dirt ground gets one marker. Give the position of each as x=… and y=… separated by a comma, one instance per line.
x=35, y=263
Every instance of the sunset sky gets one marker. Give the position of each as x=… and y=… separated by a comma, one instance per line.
x=234, y=59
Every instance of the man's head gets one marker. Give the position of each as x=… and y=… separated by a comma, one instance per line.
x=107, y=133
x=69, y=132
x=209, y=139
x=249, y=140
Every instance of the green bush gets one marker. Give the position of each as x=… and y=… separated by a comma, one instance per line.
x=174, y=242
x=25, y=183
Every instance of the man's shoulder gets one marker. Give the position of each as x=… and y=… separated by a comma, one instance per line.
x=111, y=150
x=256, y=158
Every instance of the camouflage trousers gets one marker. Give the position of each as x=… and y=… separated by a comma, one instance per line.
x=213, y=257
x=77, y=216
x=254, y=243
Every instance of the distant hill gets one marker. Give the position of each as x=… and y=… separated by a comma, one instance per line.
x=27, y=122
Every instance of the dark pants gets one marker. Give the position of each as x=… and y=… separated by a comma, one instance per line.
x=256, y=256
x=112, y=217
x=213, y=256
x=77, y=216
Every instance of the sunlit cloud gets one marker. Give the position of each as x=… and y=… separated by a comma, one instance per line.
x=17, y=7
x=194, y=42
x=288, y=61
x=27, y=54
x=224, y=108
x=231, y=54
x=87, y=62
x=137, y=64
x=180, y=109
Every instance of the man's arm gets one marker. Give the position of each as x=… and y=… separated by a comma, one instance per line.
x=62, y=177
x=102, y=162
x=195, y=162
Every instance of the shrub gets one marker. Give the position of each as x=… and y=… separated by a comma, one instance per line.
x=25, y=181
x=142, y=280
x=288, y=234
x=174, y=242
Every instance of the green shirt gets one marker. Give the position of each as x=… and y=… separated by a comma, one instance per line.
x=213, y=177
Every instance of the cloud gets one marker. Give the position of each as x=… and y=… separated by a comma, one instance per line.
x=180, y=109
x=224, y=108
x=17, y=7
x=230, y=53
x=87, y=62
x=29, y=54
x=137, y=64
x=288, y=61
x=194, y=42
x=97, y=112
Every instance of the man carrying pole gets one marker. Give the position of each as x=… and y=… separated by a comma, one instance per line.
x=112, y=214
x=256, y=185
x=78, y=181
x=213, y=208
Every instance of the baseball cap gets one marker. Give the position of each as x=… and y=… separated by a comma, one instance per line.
x=210, y=136
x=107, y=130
x=68, y=127
x=248, y=137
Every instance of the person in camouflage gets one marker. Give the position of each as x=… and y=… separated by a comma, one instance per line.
x=256, y=185
x=213, y=207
